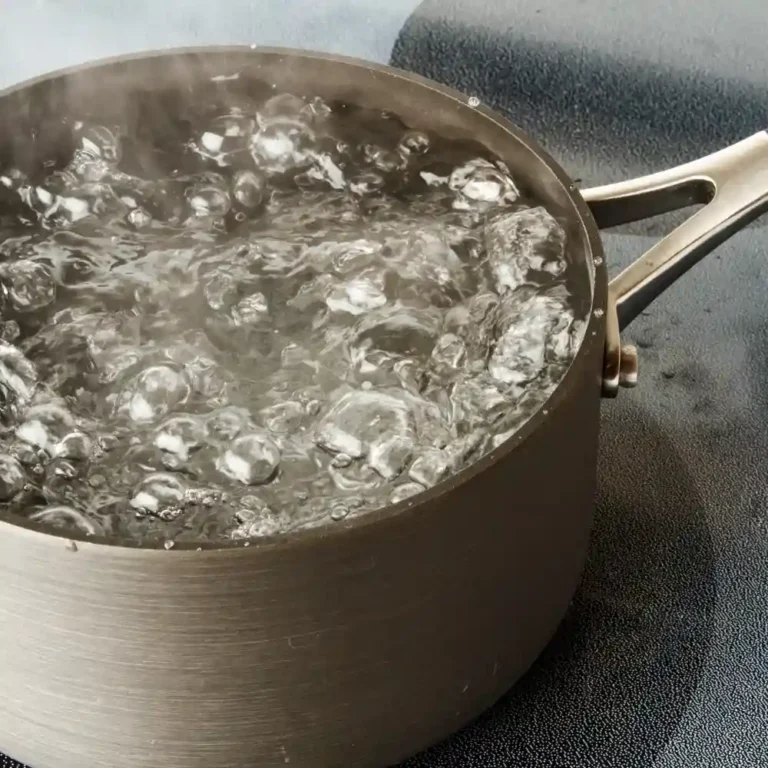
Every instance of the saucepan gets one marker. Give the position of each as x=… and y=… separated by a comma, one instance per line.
x=361, y=644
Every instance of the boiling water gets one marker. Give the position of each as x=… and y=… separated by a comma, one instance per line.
x=301, y=312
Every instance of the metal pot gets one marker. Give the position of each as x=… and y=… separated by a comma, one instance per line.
x=360, y=645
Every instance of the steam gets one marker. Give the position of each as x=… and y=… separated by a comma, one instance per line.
x=42, y=36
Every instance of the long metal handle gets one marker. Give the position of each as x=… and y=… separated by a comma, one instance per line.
x=733, y=185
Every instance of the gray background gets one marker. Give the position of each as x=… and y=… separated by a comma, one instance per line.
x=663, y=658
x=37, y=36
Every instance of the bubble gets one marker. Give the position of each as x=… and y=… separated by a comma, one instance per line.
x=427, y=261
x=18, y=379
x=275, y=257
x=139, y=218
x=317, y=110
x=235, y=125
x=323, y=170
x=76, y=269
x=9, y=331
x=275, y=149
x=390, y=455
x=39, y=199
x=177, y=438
x=401, y=329
x=67, y=518
x=65, y=211
x=463, y=450
x=414, y=143
x=341, y=461
x=361, y=418
x=339, y=512
x=405, y=491
x=115, y=361
x=538, y=327
x=14, y=179
x=45, y=426
x=477, y=399
x=219, y=290
x=226, y=424
x=429, y=468
x=29, y=456
x=102, y=142
x=357, y=296
x=12, y=477
x=75, y=445
x=109, y=340
x=209, y=197
x=252, y=460
x=343, y=258
x=249, y=189
x=383, y=159
x=448, y=355
x=283, y=417
x=366, y=183
x=358, y=477
x=476, y=324
x=212, y=142
x=282, y=107
x=28, y=285
x=226, y=137
x=293, y=355
x=411, y=375
x=284, y=137
x=156, y=391
x=258, y=520
x=160, y=494
x=251, y=310
x=523, y=242
x=61, y=480
x=107, y=442
x=479, y=181
x=65, y=180
x=223, y=286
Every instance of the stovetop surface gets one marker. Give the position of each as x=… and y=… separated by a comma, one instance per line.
x=663, y=658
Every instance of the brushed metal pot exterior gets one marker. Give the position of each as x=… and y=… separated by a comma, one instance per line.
x=355, y=645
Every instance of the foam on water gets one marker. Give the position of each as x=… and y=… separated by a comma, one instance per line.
x=280, y=314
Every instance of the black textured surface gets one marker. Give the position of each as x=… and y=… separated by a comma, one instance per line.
x=663, y=658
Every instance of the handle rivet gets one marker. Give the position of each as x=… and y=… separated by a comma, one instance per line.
x=598, y=313
x=598, y=261
x=474, y=101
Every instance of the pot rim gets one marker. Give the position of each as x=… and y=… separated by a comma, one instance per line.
x=10, y=523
